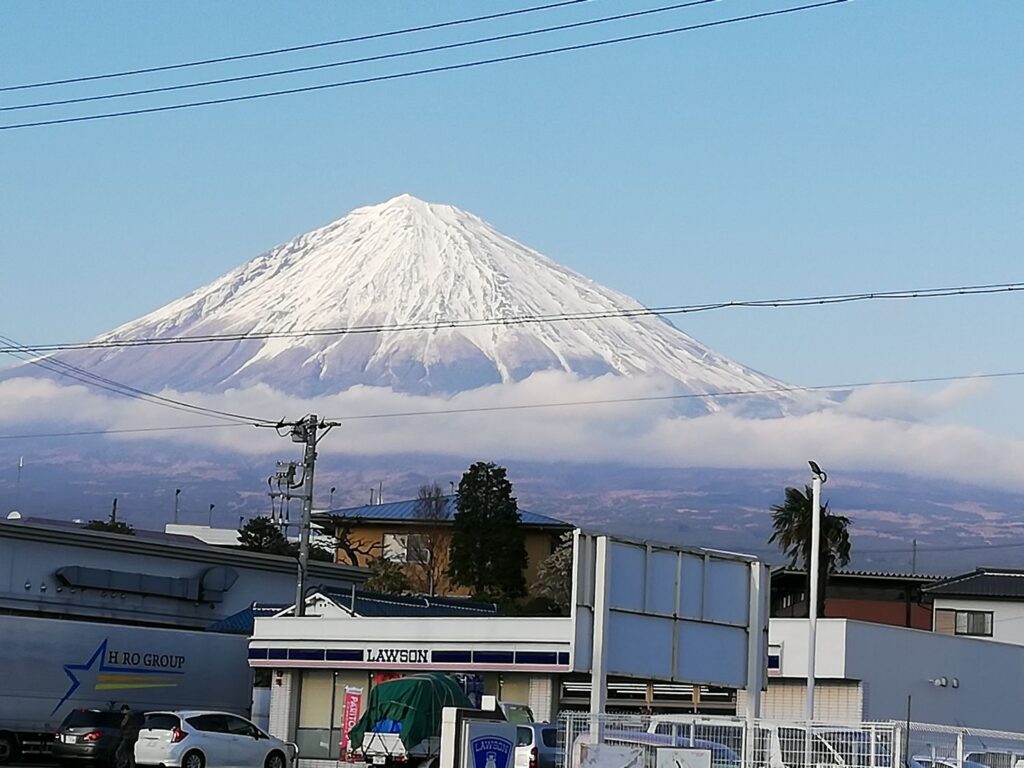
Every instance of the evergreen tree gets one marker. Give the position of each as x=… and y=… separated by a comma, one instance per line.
x=261, y=534
x=488, y=552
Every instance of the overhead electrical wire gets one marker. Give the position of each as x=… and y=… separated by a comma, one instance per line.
x=290, y=49
x=63, y=368
x=513, y=320
x=137, y=430
x=577, y=403
x=360, y=60
x=682, y=396
x=426, y=70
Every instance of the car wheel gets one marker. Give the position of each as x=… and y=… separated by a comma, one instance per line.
x=193, y=759
x=275, y=760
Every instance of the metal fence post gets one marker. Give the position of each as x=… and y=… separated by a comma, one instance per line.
x=960, y=749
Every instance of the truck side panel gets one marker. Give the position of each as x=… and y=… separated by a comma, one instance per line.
x=50, y=666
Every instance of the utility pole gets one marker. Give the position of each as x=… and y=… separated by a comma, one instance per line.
x=113, y=511
x=305, y=431
x=177, y=493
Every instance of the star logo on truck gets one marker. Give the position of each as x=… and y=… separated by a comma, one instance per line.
x=70, y=669
x=121, y=670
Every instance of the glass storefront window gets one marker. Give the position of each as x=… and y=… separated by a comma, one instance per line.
x=321, y=703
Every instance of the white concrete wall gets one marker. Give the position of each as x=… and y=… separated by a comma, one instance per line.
x=283, y=701
x=1007, y=616
x=830, y=647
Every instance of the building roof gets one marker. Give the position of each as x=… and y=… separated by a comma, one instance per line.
x=242, y=622
x=159, y=544
x=367, y=605
x=993, y=583
x=921, y=578
x=371, y=604
x=406, y=511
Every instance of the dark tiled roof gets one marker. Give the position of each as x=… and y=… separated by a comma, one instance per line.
x=999, y=583
x=922, y=578
x=241, y=623
x=406, y=511
x=370, y=605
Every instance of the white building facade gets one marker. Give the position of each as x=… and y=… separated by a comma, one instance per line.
x=987, y=603
x=871, y=672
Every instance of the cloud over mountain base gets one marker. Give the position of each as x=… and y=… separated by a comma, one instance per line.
x=607, y=419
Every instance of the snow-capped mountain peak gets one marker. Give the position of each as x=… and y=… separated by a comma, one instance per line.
x=406, y=261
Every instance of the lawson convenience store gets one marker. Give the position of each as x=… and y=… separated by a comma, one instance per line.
x=321, y=663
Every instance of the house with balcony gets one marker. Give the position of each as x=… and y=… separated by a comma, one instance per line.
x=419, y=540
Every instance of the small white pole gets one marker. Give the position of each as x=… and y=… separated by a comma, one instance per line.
x=812, y=608
x=818, y=477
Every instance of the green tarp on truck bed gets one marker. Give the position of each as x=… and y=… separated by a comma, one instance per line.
x=409, y=707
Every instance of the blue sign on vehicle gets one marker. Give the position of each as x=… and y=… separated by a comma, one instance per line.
x=491, y=752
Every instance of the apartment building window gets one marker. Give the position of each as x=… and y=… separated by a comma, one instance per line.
x=977, y=623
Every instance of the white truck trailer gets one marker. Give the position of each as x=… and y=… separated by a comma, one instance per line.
x=50, y=666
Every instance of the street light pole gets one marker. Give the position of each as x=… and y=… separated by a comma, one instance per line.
x=818, y=477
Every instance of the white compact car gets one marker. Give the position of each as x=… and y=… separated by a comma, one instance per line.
x=208, y=740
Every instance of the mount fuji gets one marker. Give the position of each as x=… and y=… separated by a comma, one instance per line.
x=406, y=261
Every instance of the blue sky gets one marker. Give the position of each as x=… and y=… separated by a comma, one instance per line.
x=870, y=145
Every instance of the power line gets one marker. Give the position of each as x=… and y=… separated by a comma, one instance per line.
x=361, y=60
x=576, y=403
x=683, y=396
x=290, y=49
x=424, y=71
x=32, y=436
x=62, y=368
x=514, y=320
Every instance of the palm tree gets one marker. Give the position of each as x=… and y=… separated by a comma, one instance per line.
x=791, y=526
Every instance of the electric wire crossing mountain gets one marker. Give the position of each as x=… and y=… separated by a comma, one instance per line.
x=406, y=261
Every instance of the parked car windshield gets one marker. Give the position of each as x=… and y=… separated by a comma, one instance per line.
x=92, y=718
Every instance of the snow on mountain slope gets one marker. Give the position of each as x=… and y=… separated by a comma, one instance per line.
x=408, y=261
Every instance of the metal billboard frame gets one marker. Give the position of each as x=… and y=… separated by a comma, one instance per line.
x=709, y=627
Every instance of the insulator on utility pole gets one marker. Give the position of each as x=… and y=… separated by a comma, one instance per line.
x=303, y=431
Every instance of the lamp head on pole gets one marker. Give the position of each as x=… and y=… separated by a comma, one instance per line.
x=818, y=471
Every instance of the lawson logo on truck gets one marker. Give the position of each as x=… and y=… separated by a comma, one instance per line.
x=120, y=670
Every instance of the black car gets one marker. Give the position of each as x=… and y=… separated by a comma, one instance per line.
x=88, y=736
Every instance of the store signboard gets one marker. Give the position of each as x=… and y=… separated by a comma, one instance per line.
x=661, y=612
